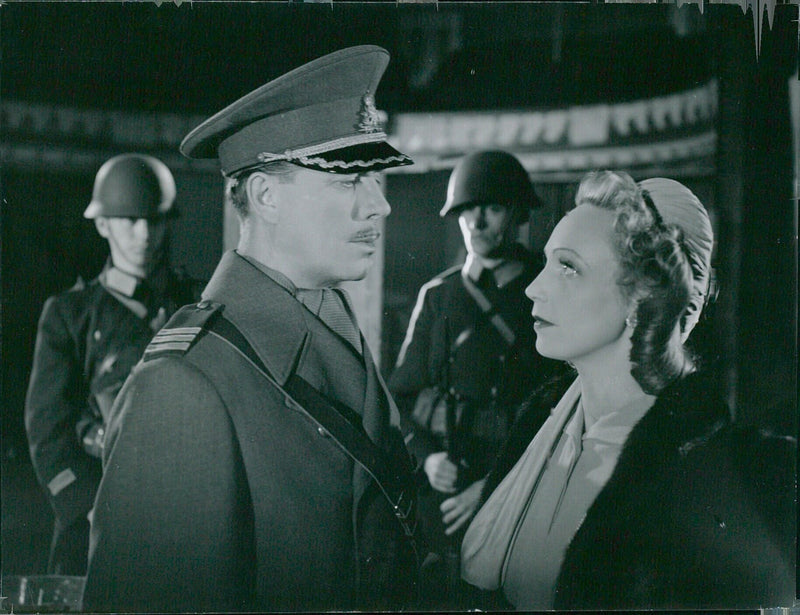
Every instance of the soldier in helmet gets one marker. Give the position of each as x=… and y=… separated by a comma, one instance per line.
x=468, y=357
x=91, y=336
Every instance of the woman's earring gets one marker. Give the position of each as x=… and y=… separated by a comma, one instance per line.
x=630, y=321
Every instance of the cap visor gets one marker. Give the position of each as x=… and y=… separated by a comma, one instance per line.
x=356, y=159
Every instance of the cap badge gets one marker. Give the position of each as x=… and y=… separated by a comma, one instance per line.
x=370, y=116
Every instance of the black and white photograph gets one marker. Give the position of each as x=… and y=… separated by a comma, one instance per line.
x=398, y=306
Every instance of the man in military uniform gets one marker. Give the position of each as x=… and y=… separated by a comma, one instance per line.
x=90, y=337
x=254, y=459
x=469, y=355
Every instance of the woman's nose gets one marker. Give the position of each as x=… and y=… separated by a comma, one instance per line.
x=534, y=289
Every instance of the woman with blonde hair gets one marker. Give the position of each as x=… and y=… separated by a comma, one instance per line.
x=636, y=492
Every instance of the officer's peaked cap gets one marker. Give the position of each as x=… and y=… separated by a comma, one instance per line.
x=321, y=115
x=486, y=177
x=132, y=186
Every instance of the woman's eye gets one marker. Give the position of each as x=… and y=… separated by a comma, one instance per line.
x=567, y=268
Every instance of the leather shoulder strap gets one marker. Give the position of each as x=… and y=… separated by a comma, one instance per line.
x=341, y=422
x=488, y=310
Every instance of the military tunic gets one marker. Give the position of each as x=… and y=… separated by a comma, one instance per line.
x=89, y=338
x=453, y=347
x=451, y=344
x=221, y=494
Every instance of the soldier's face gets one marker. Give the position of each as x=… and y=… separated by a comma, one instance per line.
x=485, y=228
x=135, y=243
x=329, y=226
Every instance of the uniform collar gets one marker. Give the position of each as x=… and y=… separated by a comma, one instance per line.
x=247, y=289
x=126, y=284
x=504, y=272
x=119, y=281
x=276, y=275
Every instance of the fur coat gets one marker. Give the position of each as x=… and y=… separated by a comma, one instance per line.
x=698, y=513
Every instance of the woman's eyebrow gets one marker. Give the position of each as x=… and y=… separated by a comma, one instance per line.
x=558, y=249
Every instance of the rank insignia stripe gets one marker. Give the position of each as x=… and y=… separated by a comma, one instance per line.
x=183, y=329
x=168, y=346
x=170, y=336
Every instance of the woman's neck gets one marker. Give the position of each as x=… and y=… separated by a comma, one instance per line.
x=608, y=386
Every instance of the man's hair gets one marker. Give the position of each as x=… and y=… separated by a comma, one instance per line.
x=655, y=270
x=235, y=185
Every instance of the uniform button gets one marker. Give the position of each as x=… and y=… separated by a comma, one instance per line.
x=97, y=335
x=323, y=432
x=289, y=403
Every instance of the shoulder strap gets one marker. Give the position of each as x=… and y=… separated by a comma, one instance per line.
x=488, y=310
x=341, y=422
x=185, y=327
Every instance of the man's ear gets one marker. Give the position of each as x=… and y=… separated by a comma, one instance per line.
x=261, y=191
x=101, y=224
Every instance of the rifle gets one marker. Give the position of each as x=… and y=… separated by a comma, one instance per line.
x=453, y=443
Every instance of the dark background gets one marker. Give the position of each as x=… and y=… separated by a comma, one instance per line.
x=191, y=60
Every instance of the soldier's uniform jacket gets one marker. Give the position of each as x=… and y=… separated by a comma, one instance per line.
x=89, y=338
x=220, y=493
x=451, y=344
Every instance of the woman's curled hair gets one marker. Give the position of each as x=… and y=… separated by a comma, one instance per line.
x=655, y=272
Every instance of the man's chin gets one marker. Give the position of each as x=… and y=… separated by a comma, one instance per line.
x=488, y=253
x=357, y=277
x=359, y=274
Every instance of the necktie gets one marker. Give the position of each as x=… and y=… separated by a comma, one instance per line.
x=331, y=306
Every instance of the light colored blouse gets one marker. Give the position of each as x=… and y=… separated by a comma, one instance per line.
x=564, y=469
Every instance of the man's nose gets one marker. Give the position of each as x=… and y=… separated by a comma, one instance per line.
x=141, y=229
x=478, y=218
x=370, y=199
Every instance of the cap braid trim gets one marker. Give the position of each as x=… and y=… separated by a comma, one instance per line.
x=321, y=148
x=328, y=164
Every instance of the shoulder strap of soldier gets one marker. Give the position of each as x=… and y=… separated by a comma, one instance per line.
x=488, y=310
x=342, y=423
x=186, y=326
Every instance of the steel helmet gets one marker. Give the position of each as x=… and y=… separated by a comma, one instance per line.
x=132, y=186
x=489, y=177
